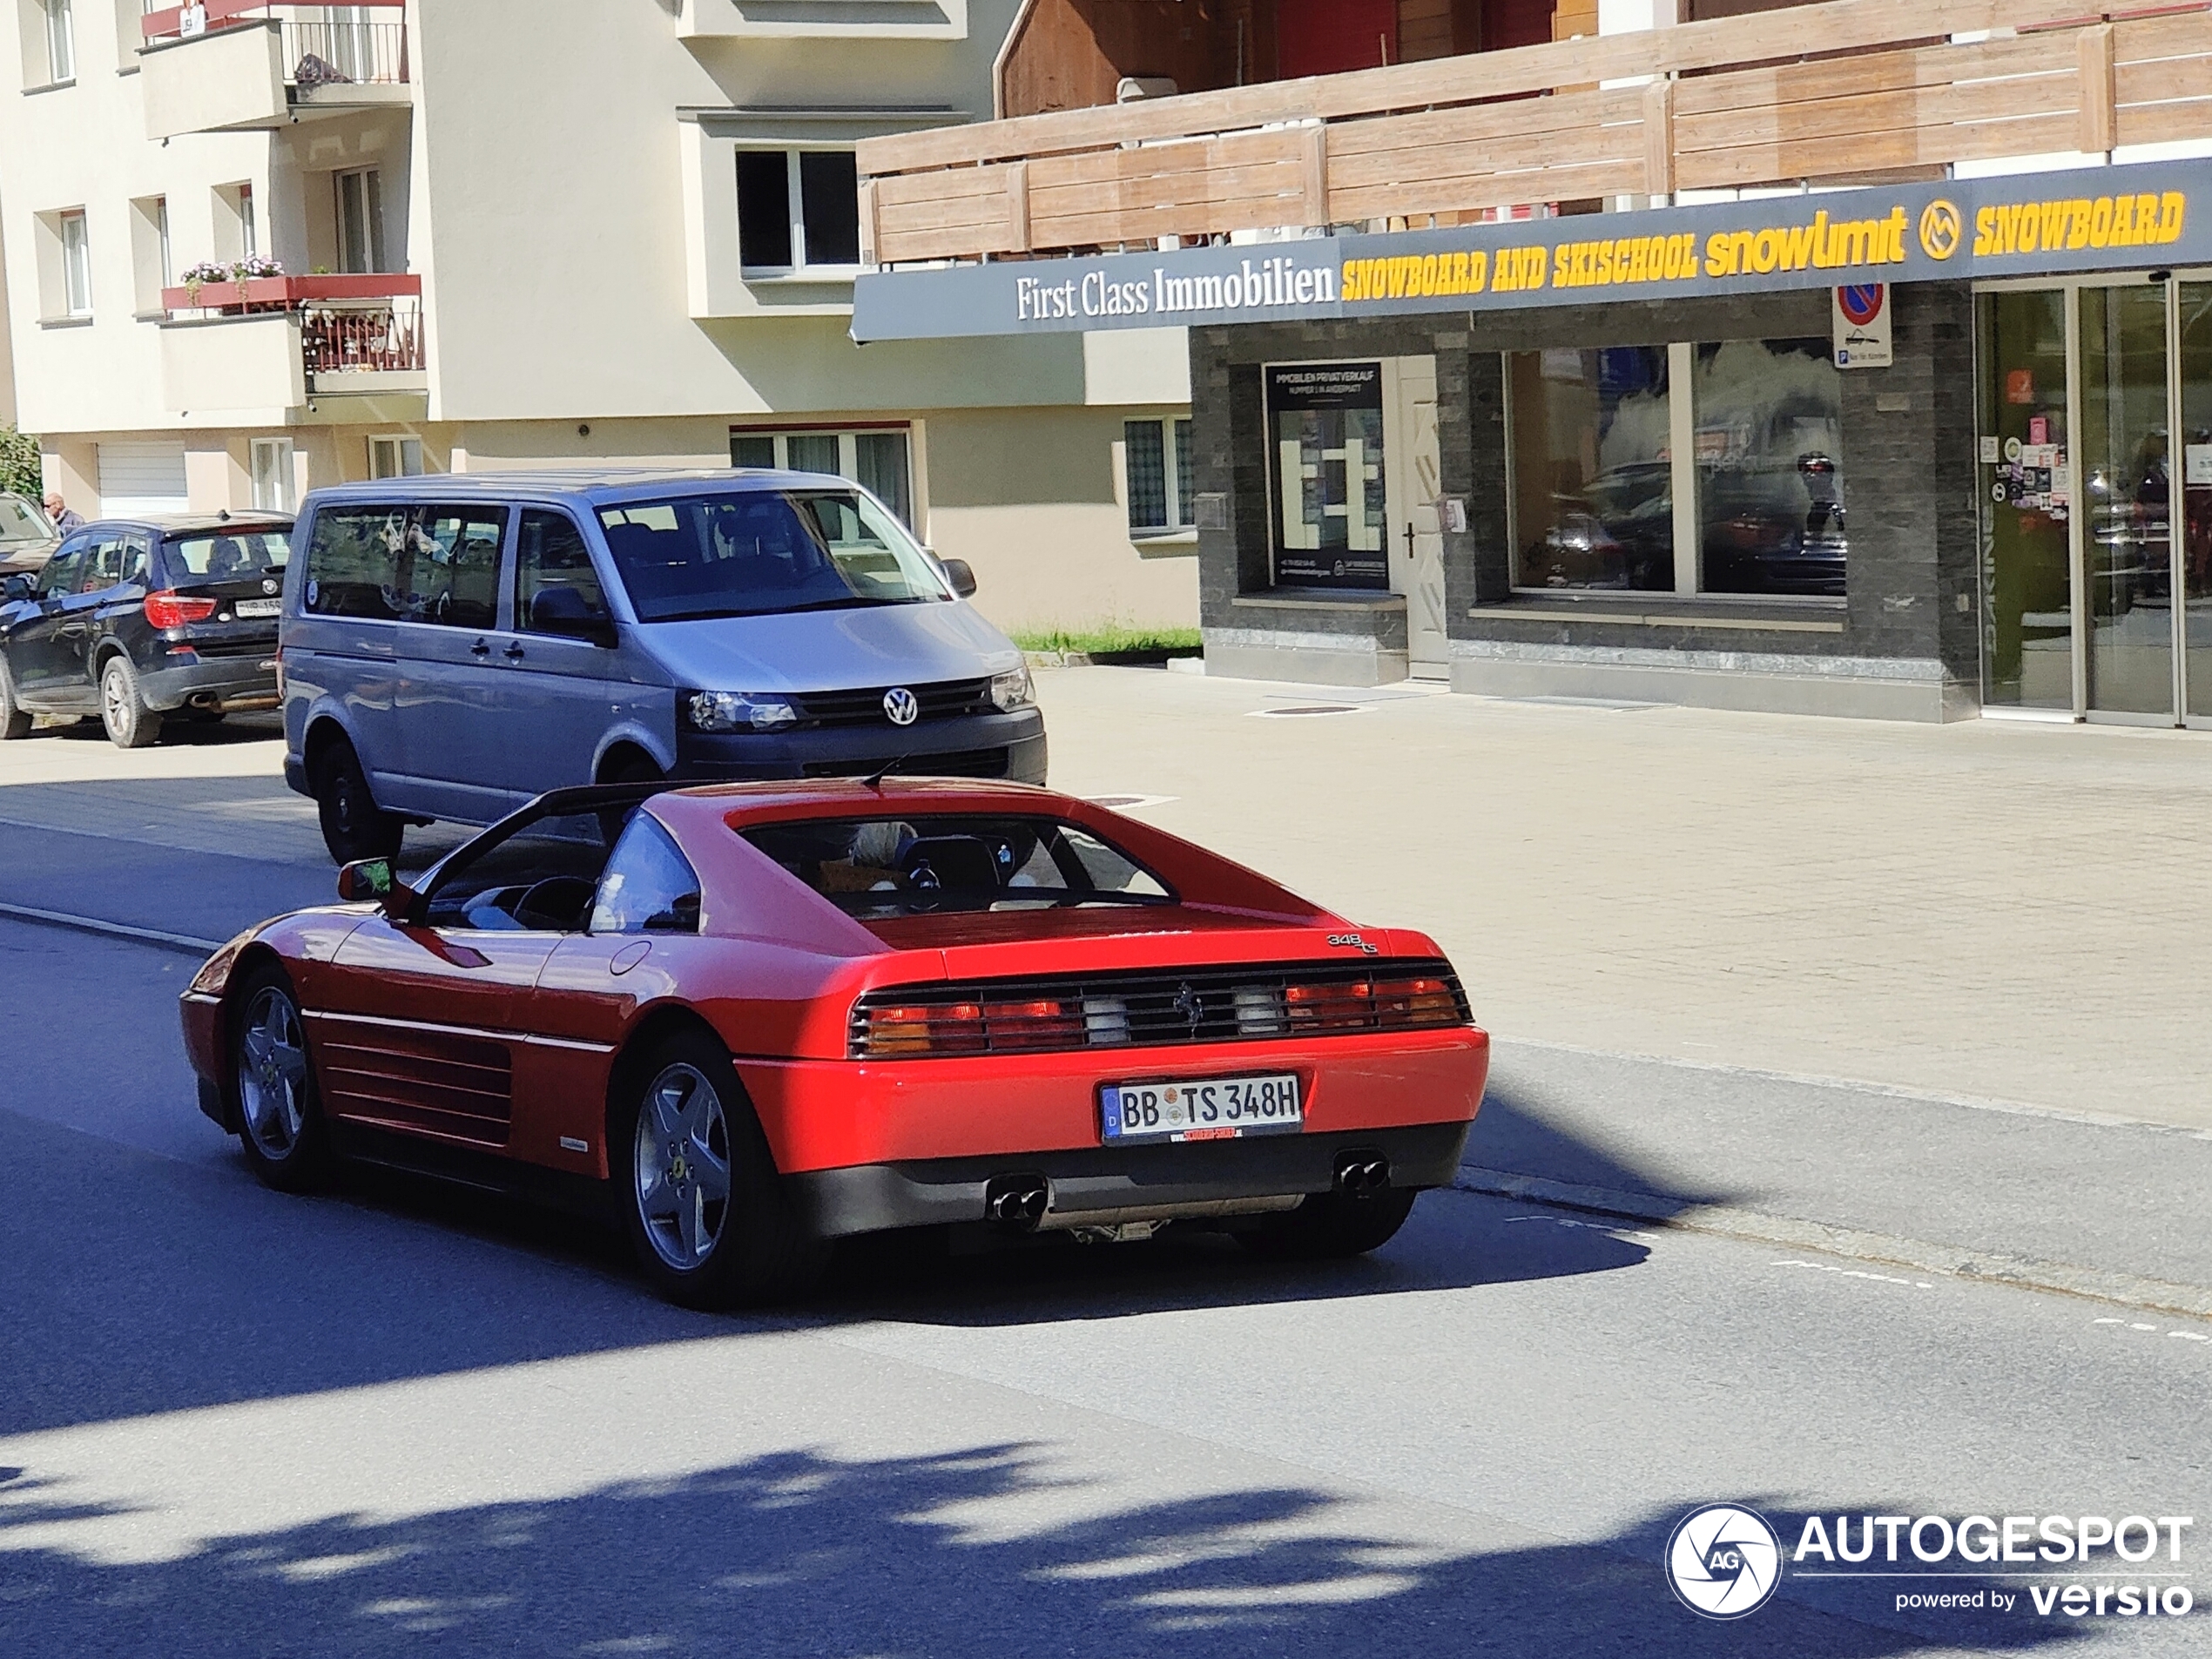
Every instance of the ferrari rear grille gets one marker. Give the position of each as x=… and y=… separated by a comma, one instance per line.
x=1150, y=1009
x=939, y=702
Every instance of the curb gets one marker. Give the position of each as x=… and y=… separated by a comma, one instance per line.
x=2025, y=1272
x=182, y=942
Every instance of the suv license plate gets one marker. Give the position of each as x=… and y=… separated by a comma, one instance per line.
x=1208, y=1108
x=248, y=608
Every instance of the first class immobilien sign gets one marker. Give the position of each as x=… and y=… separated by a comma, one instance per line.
x=2039, y=224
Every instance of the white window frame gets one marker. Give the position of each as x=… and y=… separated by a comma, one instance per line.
x=800, y=268
x=396, y=454
x=1171, y=471
x=371, y=215
x=76, y=263
x=61, y=41
x=848, y=451
x=270, y=469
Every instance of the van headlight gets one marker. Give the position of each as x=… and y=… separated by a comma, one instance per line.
x=738, y=712
x=1011, y=691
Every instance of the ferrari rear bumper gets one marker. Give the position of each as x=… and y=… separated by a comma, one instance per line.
x=1121, y=1180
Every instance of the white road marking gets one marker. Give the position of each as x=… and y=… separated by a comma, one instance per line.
x=1860, y=1272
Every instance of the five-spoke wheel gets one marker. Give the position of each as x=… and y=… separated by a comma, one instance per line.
x=682, y=1166
x=277, y=1119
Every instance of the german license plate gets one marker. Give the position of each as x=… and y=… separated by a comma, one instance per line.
x=1209, y=1109
x=259, y=607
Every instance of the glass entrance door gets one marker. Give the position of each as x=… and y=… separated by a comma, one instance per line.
x=2026, y=559
x=2194, y=521
x=2128, y=543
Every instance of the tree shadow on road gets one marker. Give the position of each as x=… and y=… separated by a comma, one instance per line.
x=991, y=1550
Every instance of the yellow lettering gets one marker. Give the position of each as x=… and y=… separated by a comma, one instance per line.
x=2077, y=219
x=1798, y=242
x=2101, y=222
x=2123, y=221
x=1985, y=230
x=2172, y=207
x=1720, y=254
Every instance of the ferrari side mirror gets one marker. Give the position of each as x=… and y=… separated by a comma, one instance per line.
x=371, y=880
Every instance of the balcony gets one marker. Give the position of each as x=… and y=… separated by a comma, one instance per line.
x=245, y=64
x=822, y=20
x=272, y=343
x=1853, y=91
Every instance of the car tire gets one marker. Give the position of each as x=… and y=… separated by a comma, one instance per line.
x=130, y=722
x=353, y=827
x=1329, y=1225
x=280, y=1114
x=708, y=1215
x=15, y=720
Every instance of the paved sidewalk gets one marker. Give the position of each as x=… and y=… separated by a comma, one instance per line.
x=1983, y=909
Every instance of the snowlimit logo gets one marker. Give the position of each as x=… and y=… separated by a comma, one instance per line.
x=1724, y=1561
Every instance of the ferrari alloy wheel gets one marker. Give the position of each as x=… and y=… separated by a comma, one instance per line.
x=682, y=1167
x=277, y=1117
x=711, y=1220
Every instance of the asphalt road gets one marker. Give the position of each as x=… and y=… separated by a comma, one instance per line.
x=234, y=1422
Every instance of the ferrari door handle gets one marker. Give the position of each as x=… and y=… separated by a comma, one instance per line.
x=482, y=648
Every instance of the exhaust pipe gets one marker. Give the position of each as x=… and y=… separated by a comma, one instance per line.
x=1362, y=1172
x=1017, y=1201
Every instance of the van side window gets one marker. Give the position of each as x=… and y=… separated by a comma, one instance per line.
x=407, y=563
x=551, y=556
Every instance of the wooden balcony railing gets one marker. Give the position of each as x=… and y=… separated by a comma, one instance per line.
x=1852, y=90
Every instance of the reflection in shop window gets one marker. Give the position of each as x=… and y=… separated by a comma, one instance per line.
x=1769, y=417
x=1593, y=505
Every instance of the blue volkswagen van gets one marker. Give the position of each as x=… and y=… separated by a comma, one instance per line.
x=453, y=645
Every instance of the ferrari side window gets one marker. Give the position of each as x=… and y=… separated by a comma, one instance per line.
x=648, y=886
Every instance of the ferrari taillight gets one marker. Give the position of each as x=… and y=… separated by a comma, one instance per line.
x=948, y=1028
x=1329, y=1008
x=1415, y=1001
x=1040, y=1024
x=169, y=609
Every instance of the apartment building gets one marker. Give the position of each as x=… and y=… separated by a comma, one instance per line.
x=253, y=248
x=1849, y=357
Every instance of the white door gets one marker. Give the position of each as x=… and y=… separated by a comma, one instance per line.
x=1416, y=492
x=139, y=478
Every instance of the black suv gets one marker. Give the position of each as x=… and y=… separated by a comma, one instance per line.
x=137, y=620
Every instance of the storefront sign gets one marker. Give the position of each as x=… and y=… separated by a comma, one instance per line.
x=2152, y=215
x=1860, y=326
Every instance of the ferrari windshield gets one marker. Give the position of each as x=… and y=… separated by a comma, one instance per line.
x=761, y=552
x=873, y=867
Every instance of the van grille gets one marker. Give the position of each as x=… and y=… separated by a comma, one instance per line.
x=959, y=763
x=1153, y=1009
x=946, y=700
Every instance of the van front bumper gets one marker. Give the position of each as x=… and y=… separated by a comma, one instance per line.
x=977, y=745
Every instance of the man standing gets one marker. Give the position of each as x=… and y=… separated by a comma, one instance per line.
x=59, y=510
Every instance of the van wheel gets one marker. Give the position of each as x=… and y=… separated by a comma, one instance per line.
x=15, y=720
x=353, y=827
x=130, y=722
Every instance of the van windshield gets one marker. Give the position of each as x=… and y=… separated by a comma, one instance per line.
x=762, y=552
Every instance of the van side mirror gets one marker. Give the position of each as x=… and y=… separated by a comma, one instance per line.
x=371, y=880
x=564, y=611
x=963, y=578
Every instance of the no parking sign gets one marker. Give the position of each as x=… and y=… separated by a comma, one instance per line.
x=1861, y=322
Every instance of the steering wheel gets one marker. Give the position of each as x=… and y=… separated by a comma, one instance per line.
x=555, y=905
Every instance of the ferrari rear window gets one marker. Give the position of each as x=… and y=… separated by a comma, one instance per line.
x=873, y=867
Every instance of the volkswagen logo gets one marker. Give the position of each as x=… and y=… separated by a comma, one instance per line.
x=1724, y=1561
x=903, y=707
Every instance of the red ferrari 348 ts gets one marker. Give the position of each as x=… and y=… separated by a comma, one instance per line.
x=755, y=1018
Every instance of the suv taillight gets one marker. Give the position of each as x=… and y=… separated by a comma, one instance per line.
x=169, y=609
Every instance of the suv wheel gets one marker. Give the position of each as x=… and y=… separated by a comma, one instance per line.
x=130, y=722
x=353, y=827
x=15, y=720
